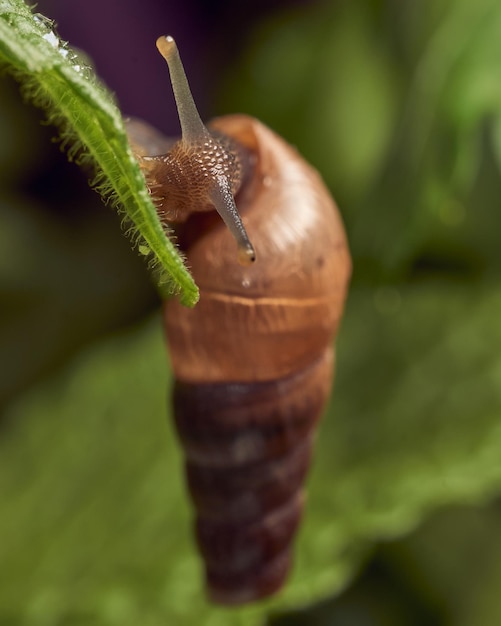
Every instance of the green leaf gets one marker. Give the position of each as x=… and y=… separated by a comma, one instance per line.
x=95, y=520
x=321, y=78
x=441, y=556
x=392, y=104
x=437, y=157
x=58, y=79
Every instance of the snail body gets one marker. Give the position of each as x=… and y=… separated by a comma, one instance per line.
x=253, y=361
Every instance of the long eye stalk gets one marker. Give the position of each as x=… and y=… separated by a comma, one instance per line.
x=192, y=126
x=195, y=133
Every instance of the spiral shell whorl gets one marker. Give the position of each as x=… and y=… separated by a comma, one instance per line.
x=253, y=362
x=247, y=458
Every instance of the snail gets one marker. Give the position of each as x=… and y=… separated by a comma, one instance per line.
x=253, y=360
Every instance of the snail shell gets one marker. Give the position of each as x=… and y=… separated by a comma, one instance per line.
x=253, y=361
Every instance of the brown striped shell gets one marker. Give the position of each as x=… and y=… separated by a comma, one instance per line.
x=253, y=361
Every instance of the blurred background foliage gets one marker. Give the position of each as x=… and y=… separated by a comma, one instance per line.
x=398, y=104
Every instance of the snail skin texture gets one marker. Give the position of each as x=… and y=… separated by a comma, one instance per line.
x=253, y=361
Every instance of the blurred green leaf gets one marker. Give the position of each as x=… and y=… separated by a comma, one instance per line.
x=50, y=273
x=496, y=137
x=94, y=516
x=453, y=563
x=452, y=93
x=322, y=78
x=392, y=103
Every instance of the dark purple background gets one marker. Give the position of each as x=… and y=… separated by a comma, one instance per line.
x=120, y=35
